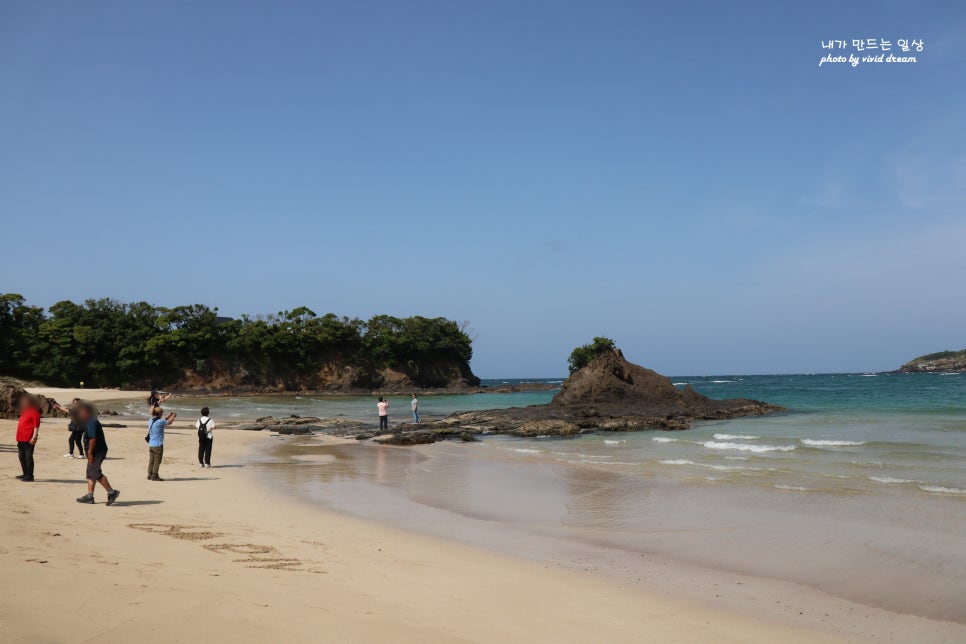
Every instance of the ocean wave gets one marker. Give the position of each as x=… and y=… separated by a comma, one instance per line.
x=942, y=490
x=722, y=381
x=890, y=479
x=870, y=375
x=830, y=443
x=734, y=437
x=664, y=439
x=523, y=450
x=610, y=442
x=710, y=466
x=796, y=488
x=744, y=447
x=679, y=384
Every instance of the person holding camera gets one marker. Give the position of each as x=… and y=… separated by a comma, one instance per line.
x=155, y=439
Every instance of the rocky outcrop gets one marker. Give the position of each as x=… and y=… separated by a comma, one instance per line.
x=609, y=394
x=10, y=397
x=613, y=387
x=942, y=362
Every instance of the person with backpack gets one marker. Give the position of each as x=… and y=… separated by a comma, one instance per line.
x=205, y=426
x=155, y=439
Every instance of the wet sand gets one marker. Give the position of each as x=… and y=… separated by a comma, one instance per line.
x=815, y=561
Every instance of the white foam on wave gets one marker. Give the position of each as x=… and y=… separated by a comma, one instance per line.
x=710, y=466
x=737, y=458
x=734, y=437
x=610, y=442
x=795, y=488
x=830, y=443
x=523, y=450
x=870, y=375
x=664, y=439
x=744, y=447
x=939, y=489
x=889, y=479
x=721, y=381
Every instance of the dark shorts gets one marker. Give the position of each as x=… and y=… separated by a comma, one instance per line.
x=94, y=472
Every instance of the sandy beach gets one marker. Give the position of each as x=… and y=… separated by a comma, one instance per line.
x=208, y=554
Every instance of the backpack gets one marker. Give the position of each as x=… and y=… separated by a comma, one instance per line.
x=203, y=428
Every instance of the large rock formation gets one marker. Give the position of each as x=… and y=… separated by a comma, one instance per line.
x=609, y=394
x=10, y=397
x=612, y=386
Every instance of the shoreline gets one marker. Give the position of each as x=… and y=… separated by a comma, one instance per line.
x=377, y=497
x=268, y=568
x=373, y=562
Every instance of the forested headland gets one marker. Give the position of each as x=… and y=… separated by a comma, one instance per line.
x=106, y=343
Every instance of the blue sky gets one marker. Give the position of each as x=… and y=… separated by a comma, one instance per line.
x=682, y=177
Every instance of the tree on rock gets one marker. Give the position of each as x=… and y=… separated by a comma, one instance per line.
x=584, y=355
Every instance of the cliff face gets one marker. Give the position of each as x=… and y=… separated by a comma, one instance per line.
x=334, y=377
x=942, y=362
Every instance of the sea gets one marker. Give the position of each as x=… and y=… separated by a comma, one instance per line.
x=858, y=491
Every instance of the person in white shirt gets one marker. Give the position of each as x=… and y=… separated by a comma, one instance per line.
x=383, y=408
x=415, y=406
x=206, y=427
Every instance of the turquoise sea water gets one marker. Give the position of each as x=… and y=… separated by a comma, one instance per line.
x=842, y=431
x=857, y=491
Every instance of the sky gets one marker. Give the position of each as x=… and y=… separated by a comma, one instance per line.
x=681, y=177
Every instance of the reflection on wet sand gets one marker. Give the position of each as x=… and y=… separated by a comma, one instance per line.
x=518, y=502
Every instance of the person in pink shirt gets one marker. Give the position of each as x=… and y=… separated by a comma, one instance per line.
x=383, y=407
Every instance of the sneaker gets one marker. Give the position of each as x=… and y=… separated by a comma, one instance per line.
x=157, y=478
x=27, y=479
x=112, y=496
x=68, y=456
x=87, y=498
x=81, y=456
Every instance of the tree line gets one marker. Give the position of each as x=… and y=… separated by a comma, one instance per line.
x=106, y=343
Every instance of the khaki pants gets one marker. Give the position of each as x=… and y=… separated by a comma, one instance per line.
x=154, y=460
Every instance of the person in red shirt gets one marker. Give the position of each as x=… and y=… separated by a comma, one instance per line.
x=28, y=431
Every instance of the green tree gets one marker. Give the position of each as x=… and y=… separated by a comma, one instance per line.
x=584, y=355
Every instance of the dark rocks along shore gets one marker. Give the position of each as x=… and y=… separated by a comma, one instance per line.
x=610, y=394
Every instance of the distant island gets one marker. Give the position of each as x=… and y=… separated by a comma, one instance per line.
x=192, y=349
x=941, y=362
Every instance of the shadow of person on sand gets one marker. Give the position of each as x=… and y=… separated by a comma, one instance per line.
x=133, y=503
x=71, y=481
x=218, y=467
x=193, y=478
